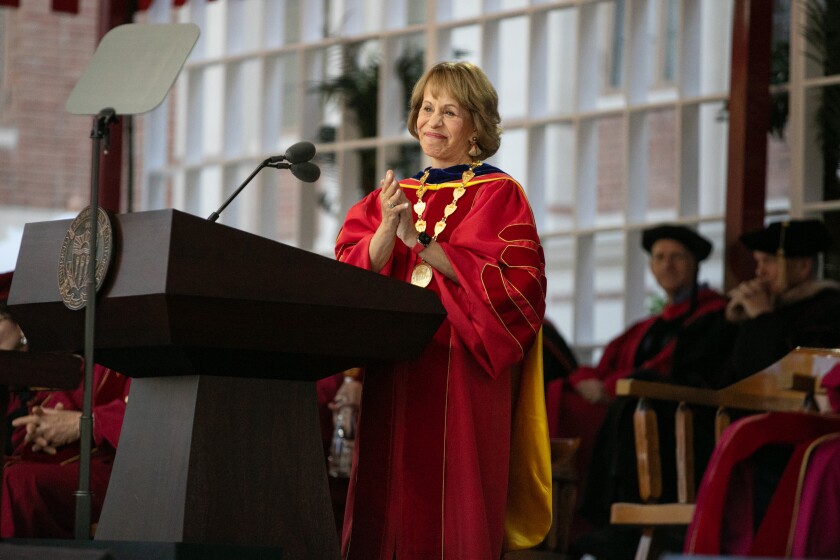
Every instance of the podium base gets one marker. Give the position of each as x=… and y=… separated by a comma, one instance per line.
x=61, y=549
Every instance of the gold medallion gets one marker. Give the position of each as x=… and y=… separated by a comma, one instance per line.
x=422, y=274
x=76, y=255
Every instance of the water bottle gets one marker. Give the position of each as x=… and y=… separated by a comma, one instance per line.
x=343, y=441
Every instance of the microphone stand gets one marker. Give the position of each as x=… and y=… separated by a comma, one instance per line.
x=99, y=132
x=215, y=215
x=268, y=162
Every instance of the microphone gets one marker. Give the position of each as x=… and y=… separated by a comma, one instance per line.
x=305, y=171
x=297, y=156
x=297, y=153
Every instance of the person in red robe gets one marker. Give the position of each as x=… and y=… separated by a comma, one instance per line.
x=452, y=447
x=41, y=470
x=578, y=405
x=333, y=393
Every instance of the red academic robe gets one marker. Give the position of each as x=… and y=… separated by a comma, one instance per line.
x=723, y=521
x=570, y=415
x=430, y=475
x=38, y=489
x=816, y=515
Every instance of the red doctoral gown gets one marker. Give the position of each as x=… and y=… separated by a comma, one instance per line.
x=570, y=415
x=38, y=489
x=430, y=479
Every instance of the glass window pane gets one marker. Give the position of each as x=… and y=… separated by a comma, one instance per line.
x=405, y=159
x=609, y=285
x=512, y=156
x=374, y=12
x=335, y=11
x=416, y=11
x=560, y=299
x=561, y=52
x=291, y=22
x=560, y=176
x=461, y=9
x=821, y=38
x=712, y=58
x=512, y=4
x=710, y=158
x=610, y=170
x=464, y=44
x=407, y=65
x=513, y=59
x=613, y=18
x=602, y=47
x=214, y=102
x=822, y=138
x=244, y=18
x=350, y=91
x=669, y=49
x=214, y=29
x=778, y=172
x=663, y=185
x=281, y=116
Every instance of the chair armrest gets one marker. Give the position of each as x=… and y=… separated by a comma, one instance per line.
x=623, y=513
x=753, y=393
x=667, y=392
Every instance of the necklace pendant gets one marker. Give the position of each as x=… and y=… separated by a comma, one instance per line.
x=420, y=225
x=422, y=274
x=419, y=207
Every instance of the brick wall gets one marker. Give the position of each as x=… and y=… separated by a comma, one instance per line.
x=44, y=54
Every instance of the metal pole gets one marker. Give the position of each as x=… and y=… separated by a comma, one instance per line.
x=83, y=494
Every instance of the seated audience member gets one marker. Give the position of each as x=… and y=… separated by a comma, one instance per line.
x=41, y=475
x=786, y=305
x=783, y=307
x=577, y=405
x=333, y=392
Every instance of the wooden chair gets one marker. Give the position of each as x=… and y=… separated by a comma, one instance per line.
x=564, y=491
x=788, y=385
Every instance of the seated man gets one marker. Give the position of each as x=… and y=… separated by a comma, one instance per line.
x=786, y=305
x=41, y=474
x=577, y=405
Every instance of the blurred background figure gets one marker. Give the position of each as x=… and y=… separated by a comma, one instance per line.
x=41, y=473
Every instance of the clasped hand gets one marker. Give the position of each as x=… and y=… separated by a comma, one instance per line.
x=50, y=428
x=749, y=300
x=396, y=210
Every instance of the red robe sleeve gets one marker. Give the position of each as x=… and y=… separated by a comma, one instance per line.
x=498, y=307
x=110, y=400
x=617, y=360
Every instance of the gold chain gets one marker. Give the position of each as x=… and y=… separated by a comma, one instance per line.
x=420, y=206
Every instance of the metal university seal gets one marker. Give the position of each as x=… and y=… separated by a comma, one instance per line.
x=75, y=257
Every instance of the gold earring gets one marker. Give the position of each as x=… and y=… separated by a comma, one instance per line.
x=474, y=151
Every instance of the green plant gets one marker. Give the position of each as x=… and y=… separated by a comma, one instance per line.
x=357, y=88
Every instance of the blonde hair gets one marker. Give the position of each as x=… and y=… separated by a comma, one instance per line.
x=471, y=88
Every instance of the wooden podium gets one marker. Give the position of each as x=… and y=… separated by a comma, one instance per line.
x=224, y=333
